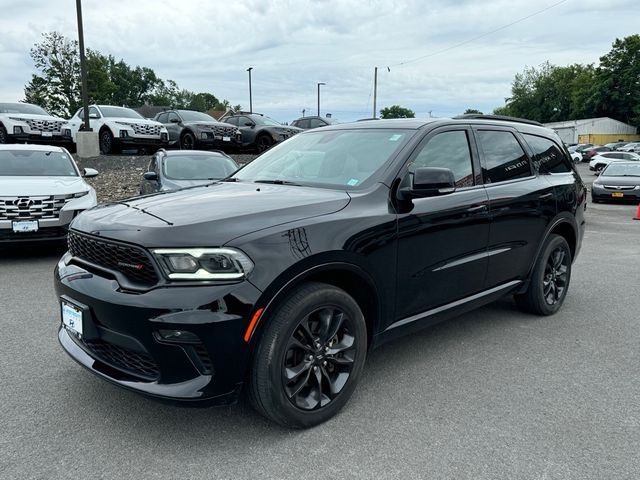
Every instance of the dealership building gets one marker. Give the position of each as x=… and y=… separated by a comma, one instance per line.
x=594, y=130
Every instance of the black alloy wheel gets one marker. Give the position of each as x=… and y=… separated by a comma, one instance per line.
x=555, y=280
x=549, y=281
x=106, y=141
x=4, y=138
x=309, y=356
x=263, y=142
x=319, y=358
x=187, y=141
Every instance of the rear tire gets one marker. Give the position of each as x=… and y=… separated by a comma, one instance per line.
x=550, y=279
x=309, y=358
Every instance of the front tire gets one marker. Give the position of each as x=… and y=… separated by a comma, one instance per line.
x=309, y=358
x=187, y=141
x=550, y=278
x=107, y=142
x=4, y=138
x=263, y=142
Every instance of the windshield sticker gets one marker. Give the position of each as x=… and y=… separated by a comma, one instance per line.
x=395, y=137
x=353, y=182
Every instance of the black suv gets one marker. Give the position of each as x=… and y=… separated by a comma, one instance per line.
x=259, y=132
x=283, y=276
x=306, y=123
x=190, y=130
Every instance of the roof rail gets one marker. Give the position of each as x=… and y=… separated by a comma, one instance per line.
x=478, y=116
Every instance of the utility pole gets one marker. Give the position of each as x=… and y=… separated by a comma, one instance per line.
x=83, y=69
x=250, y=99
x=375, y=91
x=321, y=83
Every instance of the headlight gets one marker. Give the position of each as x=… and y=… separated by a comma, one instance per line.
x=637, y=187
x=18, y=119
x=80, y=194
x=130, y=125
x=203, y=263
x=597, y=185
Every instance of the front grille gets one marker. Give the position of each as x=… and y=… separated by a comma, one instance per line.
x=290, y=132
x=140, y=129
x=220, y=130
x=135, y=363
x=621, y=187
x=53, y=126
x=131, y=261
x=32, y=208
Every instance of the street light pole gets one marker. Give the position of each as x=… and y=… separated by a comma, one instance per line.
x=250, y=98
x=321, y=83
x=83, y=69
x=375, y=91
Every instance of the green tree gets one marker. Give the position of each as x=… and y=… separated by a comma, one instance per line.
x=396, y=111
x=472, y=110
x=57, y=86
x=617, y=79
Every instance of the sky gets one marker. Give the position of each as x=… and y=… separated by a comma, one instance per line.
x=442, y=56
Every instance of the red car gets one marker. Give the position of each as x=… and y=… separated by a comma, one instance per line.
x=589, y=153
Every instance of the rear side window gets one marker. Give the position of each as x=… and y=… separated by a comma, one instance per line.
x=547, y=156
x=504, y=158
x=449, y=150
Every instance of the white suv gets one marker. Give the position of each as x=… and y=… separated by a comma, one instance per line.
x=120, y=127
x=24, y=122
x=41, y=191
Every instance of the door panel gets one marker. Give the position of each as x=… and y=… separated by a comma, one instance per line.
x=442, y=250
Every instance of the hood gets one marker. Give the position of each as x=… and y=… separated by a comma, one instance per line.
x=176, y=184
x=32, y=116
x=617, y=181
x=208, y=216
x=40, y=186
x=139, y=121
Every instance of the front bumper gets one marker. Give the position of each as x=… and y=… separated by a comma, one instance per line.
x=122, y=341
x=611, y=195
x=39, y=138
x=142, y=141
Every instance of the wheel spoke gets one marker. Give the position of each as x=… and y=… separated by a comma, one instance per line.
x=291, y=373
x=294, y=389
x=345, y=344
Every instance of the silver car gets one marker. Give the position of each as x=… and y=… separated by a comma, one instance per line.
x=41, y=191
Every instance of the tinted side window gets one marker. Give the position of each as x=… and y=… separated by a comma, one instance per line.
x=316, y=122
x=547, y=156
x=231, y=120
x=449, y=150
x=504, y=158
x=242, y=121
x=173, y=116
x=162, y=118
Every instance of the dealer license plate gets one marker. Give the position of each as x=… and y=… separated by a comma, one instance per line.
x=226, y=139
x=71, y=317
x=25, y=226
x=617, y=194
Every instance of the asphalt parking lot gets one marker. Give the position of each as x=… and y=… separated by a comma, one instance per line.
x=492, y=394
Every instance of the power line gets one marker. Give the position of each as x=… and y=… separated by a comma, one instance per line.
x=522, y=19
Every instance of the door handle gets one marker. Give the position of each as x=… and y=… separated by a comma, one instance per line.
x=546, y=196
x=477, y=208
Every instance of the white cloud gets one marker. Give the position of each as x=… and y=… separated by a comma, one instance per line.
x=293, y=44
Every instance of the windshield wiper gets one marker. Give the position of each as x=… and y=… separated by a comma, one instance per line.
x=228, y=179
x=278, y=182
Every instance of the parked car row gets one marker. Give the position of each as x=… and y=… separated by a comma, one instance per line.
x=120, y=128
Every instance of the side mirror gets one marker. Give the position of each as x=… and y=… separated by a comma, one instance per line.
x=89, y=172
x=429, y=182
x=94, y=115
x=249, y=124
x=174, y=120
x=151, y=176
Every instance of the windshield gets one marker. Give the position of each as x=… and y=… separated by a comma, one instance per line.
x=260, y=120
x=29, y=163
x=22, y=108
x=189, y=116
x=120, y=112
x=338, y=158
x=622, y=170
x=198, y=167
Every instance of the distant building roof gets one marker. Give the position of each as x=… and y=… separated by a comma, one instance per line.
x=583, y=121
